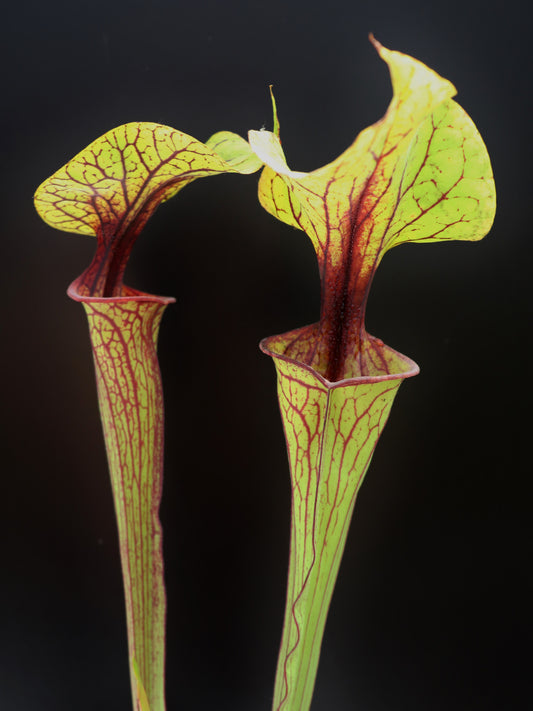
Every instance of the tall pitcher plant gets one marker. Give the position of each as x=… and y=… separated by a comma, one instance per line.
x=420, y=174
x=109, y=190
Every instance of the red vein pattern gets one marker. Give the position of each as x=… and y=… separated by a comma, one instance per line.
x=110, y=190
x=112, y=187
x=124, y=336
x=331, y=431
x=420, y=174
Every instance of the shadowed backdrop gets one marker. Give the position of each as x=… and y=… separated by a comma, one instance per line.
x=432, y=607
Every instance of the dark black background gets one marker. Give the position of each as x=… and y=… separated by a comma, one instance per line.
x=433, y=605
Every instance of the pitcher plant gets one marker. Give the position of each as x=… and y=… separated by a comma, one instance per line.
x=420, y=174
x=109, y=190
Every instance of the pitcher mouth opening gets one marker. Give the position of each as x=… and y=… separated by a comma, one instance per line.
x=389, y=364
x=128, y=294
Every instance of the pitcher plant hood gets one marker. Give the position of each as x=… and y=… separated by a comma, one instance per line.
x=420, y=174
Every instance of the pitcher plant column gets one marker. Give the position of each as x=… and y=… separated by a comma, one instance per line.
x=420, y=174
x=109, y=190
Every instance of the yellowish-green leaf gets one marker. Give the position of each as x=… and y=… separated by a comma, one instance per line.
x=235, y=151
x=331, y=431
x=124, y=333
x=112, y=187
x=420, y=174
x=142, y=698
x=109, y=190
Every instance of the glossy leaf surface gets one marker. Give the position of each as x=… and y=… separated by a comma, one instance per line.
x=420, y=174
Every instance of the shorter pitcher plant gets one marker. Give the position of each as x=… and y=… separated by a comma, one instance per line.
x=420, y=174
